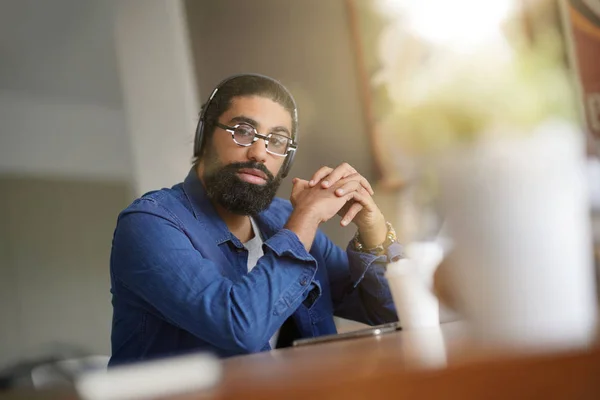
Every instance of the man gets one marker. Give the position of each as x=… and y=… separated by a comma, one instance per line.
x=217, y=263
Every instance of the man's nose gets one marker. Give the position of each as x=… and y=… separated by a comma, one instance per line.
x=258, y=151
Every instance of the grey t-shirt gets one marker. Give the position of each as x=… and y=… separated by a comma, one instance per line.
x=255, y=251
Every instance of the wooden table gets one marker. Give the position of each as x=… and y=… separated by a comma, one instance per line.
x=424, y=364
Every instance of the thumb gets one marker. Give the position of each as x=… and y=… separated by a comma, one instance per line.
x=299, y=185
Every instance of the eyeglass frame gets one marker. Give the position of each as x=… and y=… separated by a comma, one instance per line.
x=231, y=129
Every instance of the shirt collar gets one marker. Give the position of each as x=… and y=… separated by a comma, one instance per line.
x=203, y=209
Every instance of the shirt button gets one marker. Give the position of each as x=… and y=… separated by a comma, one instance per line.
x=304, y=282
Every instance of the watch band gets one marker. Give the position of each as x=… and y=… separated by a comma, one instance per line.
x=380, y=249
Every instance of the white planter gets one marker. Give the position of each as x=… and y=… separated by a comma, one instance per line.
x=518, y=214
x=416, y=305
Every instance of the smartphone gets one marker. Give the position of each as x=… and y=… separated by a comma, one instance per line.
x=373, y=331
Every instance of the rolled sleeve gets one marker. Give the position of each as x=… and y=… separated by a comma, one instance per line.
x=361, y=262
x=286, y=243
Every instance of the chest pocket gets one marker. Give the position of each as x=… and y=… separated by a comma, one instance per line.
x=197, y=232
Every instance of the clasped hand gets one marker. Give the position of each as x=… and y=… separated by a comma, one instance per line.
x=342, y=191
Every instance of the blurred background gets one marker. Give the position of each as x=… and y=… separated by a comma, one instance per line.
x=98, y=104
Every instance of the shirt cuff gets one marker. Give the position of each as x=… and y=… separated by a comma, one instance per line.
x=286, y=242
x=395, y=251
x=360, y=262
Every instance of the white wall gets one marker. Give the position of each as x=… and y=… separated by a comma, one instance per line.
x=61, y=109
x=100, y=89
x=159, y=90
x=63, y=136
x=54, y=282
x=9, y=313
x=81, y=124
x=55, y=137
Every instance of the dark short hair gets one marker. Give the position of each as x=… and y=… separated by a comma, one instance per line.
x=244, y=85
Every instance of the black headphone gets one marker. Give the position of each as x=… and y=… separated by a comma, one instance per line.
x=289, y=158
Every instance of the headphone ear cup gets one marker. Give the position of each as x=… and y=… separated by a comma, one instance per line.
x=198, y=138
x=287, y=164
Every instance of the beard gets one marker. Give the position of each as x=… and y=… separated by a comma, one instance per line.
x=224, y=186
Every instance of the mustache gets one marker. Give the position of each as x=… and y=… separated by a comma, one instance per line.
x=235, y=167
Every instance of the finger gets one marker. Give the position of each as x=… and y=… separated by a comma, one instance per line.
x=320, y=174
x=301, y=183
x=357, y=178
x=365, y=183
x=364, y=199
x=351, y=213
x=341, y=171
x=346, y=186
x=298, y=185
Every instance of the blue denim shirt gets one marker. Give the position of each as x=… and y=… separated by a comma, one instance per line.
x=180, y=281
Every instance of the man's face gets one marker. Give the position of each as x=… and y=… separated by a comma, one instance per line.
x=244, y=180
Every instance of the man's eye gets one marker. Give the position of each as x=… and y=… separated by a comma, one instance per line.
x=279, y=144
x=244, y=130
x=278, y=141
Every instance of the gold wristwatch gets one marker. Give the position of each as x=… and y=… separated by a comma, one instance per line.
x=390, y=237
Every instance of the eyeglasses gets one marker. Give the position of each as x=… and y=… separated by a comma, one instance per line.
x=245, y=135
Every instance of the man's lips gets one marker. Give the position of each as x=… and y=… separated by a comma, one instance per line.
x=252, y=175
